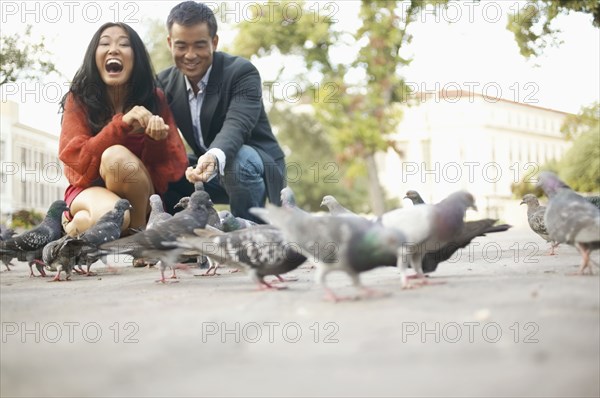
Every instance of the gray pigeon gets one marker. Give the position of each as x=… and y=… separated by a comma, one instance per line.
x=428, y=227
x=535, y=218
x=595, y=200
x=288, y=199
x=213, y=216
x=106, y=229
x=6, y=233
x=183, y=203
x=336, y=243
x=28, y=245
x=570, y=218
x=334, y=207
x=155, y=243
x=62, y=254
x=261, y=249
x=231, y=223
x=415, y=198
x=158, y=213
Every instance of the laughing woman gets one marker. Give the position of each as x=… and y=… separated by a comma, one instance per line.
x=118, y=138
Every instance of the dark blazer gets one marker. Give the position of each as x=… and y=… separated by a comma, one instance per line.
x=232, y=115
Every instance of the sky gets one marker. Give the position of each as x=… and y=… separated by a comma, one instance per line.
x=465, y=47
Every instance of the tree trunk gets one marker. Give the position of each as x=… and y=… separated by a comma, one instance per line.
x=375, y=192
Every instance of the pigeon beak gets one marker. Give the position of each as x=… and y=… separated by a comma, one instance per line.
x=522, y=202
x=474, y=207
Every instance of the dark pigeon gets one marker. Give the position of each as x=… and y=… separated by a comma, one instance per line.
x=6, y=233
x=28, y=246
x=334, y=207
x=288, y=199
x=470, y=231
x=415, y=198
x=595, y=200
x=336, y=243
x=570, y=218
x=155, y=243
x=230, y=223
x=428, y=228
x=183, y=203
x=62, y=254
x=158, y=213
x=535, y=218
x=261, y=249
x=106, y=229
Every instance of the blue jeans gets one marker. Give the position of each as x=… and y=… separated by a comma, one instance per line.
x=242, y=186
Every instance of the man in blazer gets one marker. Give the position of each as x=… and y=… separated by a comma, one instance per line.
x=216, y=99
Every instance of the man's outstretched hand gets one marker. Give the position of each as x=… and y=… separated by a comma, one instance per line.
x=205, y=169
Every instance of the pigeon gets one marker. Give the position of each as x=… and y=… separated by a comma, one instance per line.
x=595, y=200
x=6, y=233
x=183, y=203
x=535, y=217
x=288, y=199
x=230, y=223
x=336, y=243
x=428, y=228
x=154, y=243
x=260, y=249
x=334, y=207
x=158, y=213
x=28, y=245
x=62, y=254
x=470, y=230
x=415, y=198
x=570, y=218
x=106, y=229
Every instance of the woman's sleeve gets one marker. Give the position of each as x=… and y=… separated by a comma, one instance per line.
x=79, y=150
x=166, y=160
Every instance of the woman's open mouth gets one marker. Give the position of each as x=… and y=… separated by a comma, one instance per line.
x=113, y=66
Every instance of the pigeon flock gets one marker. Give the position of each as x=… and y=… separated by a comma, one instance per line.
x=419, y=237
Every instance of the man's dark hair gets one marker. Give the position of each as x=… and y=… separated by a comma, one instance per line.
x=191, y=13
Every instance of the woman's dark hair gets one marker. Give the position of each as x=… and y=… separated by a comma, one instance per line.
x=90, y=91
x=191, y=13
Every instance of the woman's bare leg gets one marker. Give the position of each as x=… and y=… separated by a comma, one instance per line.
x=87, y=207
x=125, y=175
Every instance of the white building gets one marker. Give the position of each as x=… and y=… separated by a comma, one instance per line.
x=31, y=176
x=465, y=141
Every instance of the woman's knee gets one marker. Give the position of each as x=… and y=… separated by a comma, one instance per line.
x=119, y=164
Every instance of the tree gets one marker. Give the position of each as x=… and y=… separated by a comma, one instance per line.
x=359, y=116
x=532, y=24
x=155, y=40
x=580, y=166
x=21, y=59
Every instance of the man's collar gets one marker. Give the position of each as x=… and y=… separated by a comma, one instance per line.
x=201, y=84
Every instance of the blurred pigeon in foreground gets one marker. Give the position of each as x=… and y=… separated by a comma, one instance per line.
x=470, y=231
x=336, y=243
x=106, y=229
x=334, y=207
x=231, y=223
x=28, y=245
x=154, y=243
x=535, y=218
x=428, y=227
x=158, y=213
x=6, y=233
x=570, y=218
x=62, y=254
x=595, y=200
x=415, y=198
x=261, y=249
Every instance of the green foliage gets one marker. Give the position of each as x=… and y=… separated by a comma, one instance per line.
x=587, y=119
x=26, y=219
x=21, y=59
x=532, y=24
x=580, y=167
x=155, y=39
x=313, y=169
x=528, y=183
